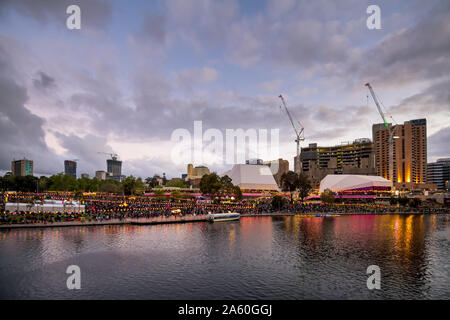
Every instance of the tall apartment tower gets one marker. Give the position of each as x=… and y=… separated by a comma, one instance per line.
x=70, y=168
x=22, y=167
x=409, y=151
x=114, y=169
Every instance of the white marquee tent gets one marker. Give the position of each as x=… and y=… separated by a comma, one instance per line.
x=252, y=177
x=341, y=182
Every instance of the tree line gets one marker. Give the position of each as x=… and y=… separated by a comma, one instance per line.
x=64, y=182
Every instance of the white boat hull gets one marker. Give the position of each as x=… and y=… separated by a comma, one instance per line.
x=219, y=217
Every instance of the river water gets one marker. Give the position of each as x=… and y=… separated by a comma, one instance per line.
x=254, y=258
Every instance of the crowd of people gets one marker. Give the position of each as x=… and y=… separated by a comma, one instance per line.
x=101, y=207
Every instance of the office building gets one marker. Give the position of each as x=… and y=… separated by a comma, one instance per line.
x=439, y=173
x=22, y=167
x=85, y=176
x=70, y=168
x=347, y=158
x=407, y=152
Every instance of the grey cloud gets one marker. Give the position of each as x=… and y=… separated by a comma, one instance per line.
x=434, y=99
x=438, y=144
x=43, y=81
x=188, y=78
x=86, y=149
x=421, y=52
x=20, y=131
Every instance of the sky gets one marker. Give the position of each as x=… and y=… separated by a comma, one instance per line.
x=137, y=71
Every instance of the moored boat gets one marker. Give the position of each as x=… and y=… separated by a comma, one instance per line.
x=228, y=216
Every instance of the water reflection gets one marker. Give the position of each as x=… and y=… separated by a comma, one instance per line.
x=284, y=257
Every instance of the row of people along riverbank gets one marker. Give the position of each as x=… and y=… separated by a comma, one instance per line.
x=103, y=207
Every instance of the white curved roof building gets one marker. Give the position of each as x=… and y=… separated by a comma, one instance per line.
x=252, y=177
x=343, y=182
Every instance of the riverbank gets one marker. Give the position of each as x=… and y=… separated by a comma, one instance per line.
x=184, y=219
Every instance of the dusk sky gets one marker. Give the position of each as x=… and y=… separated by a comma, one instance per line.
x=138, y=70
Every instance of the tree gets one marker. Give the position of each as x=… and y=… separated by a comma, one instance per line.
x=140, y=184
x=177, y=183
x=289, y=182
x=304, y=186
x=210, y=184
x=152, y=182
x=327, y=196
x=227, y=186
x=129, y=185
x=237, y=193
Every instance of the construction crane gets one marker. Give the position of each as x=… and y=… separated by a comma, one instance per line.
x=298, y=133
x=391, y=133
x=113, y=155
x=377, y=103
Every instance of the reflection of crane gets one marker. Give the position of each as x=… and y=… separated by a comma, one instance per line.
x=113, y=155
x=391, y=133
x=299, y=134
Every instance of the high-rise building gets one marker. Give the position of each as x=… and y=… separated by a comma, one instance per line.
x=409, y=151
x=347, y=158
x=278, y=168
x=22, y=167
x=70, y=168
x=114, y=169
x=85, y=176
x=439, y=173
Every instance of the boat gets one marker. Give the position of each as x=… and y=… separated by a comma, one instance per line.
x=228, y=216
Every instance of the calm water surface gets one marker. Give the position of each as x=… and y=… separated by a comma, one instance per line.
x=254, y=258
